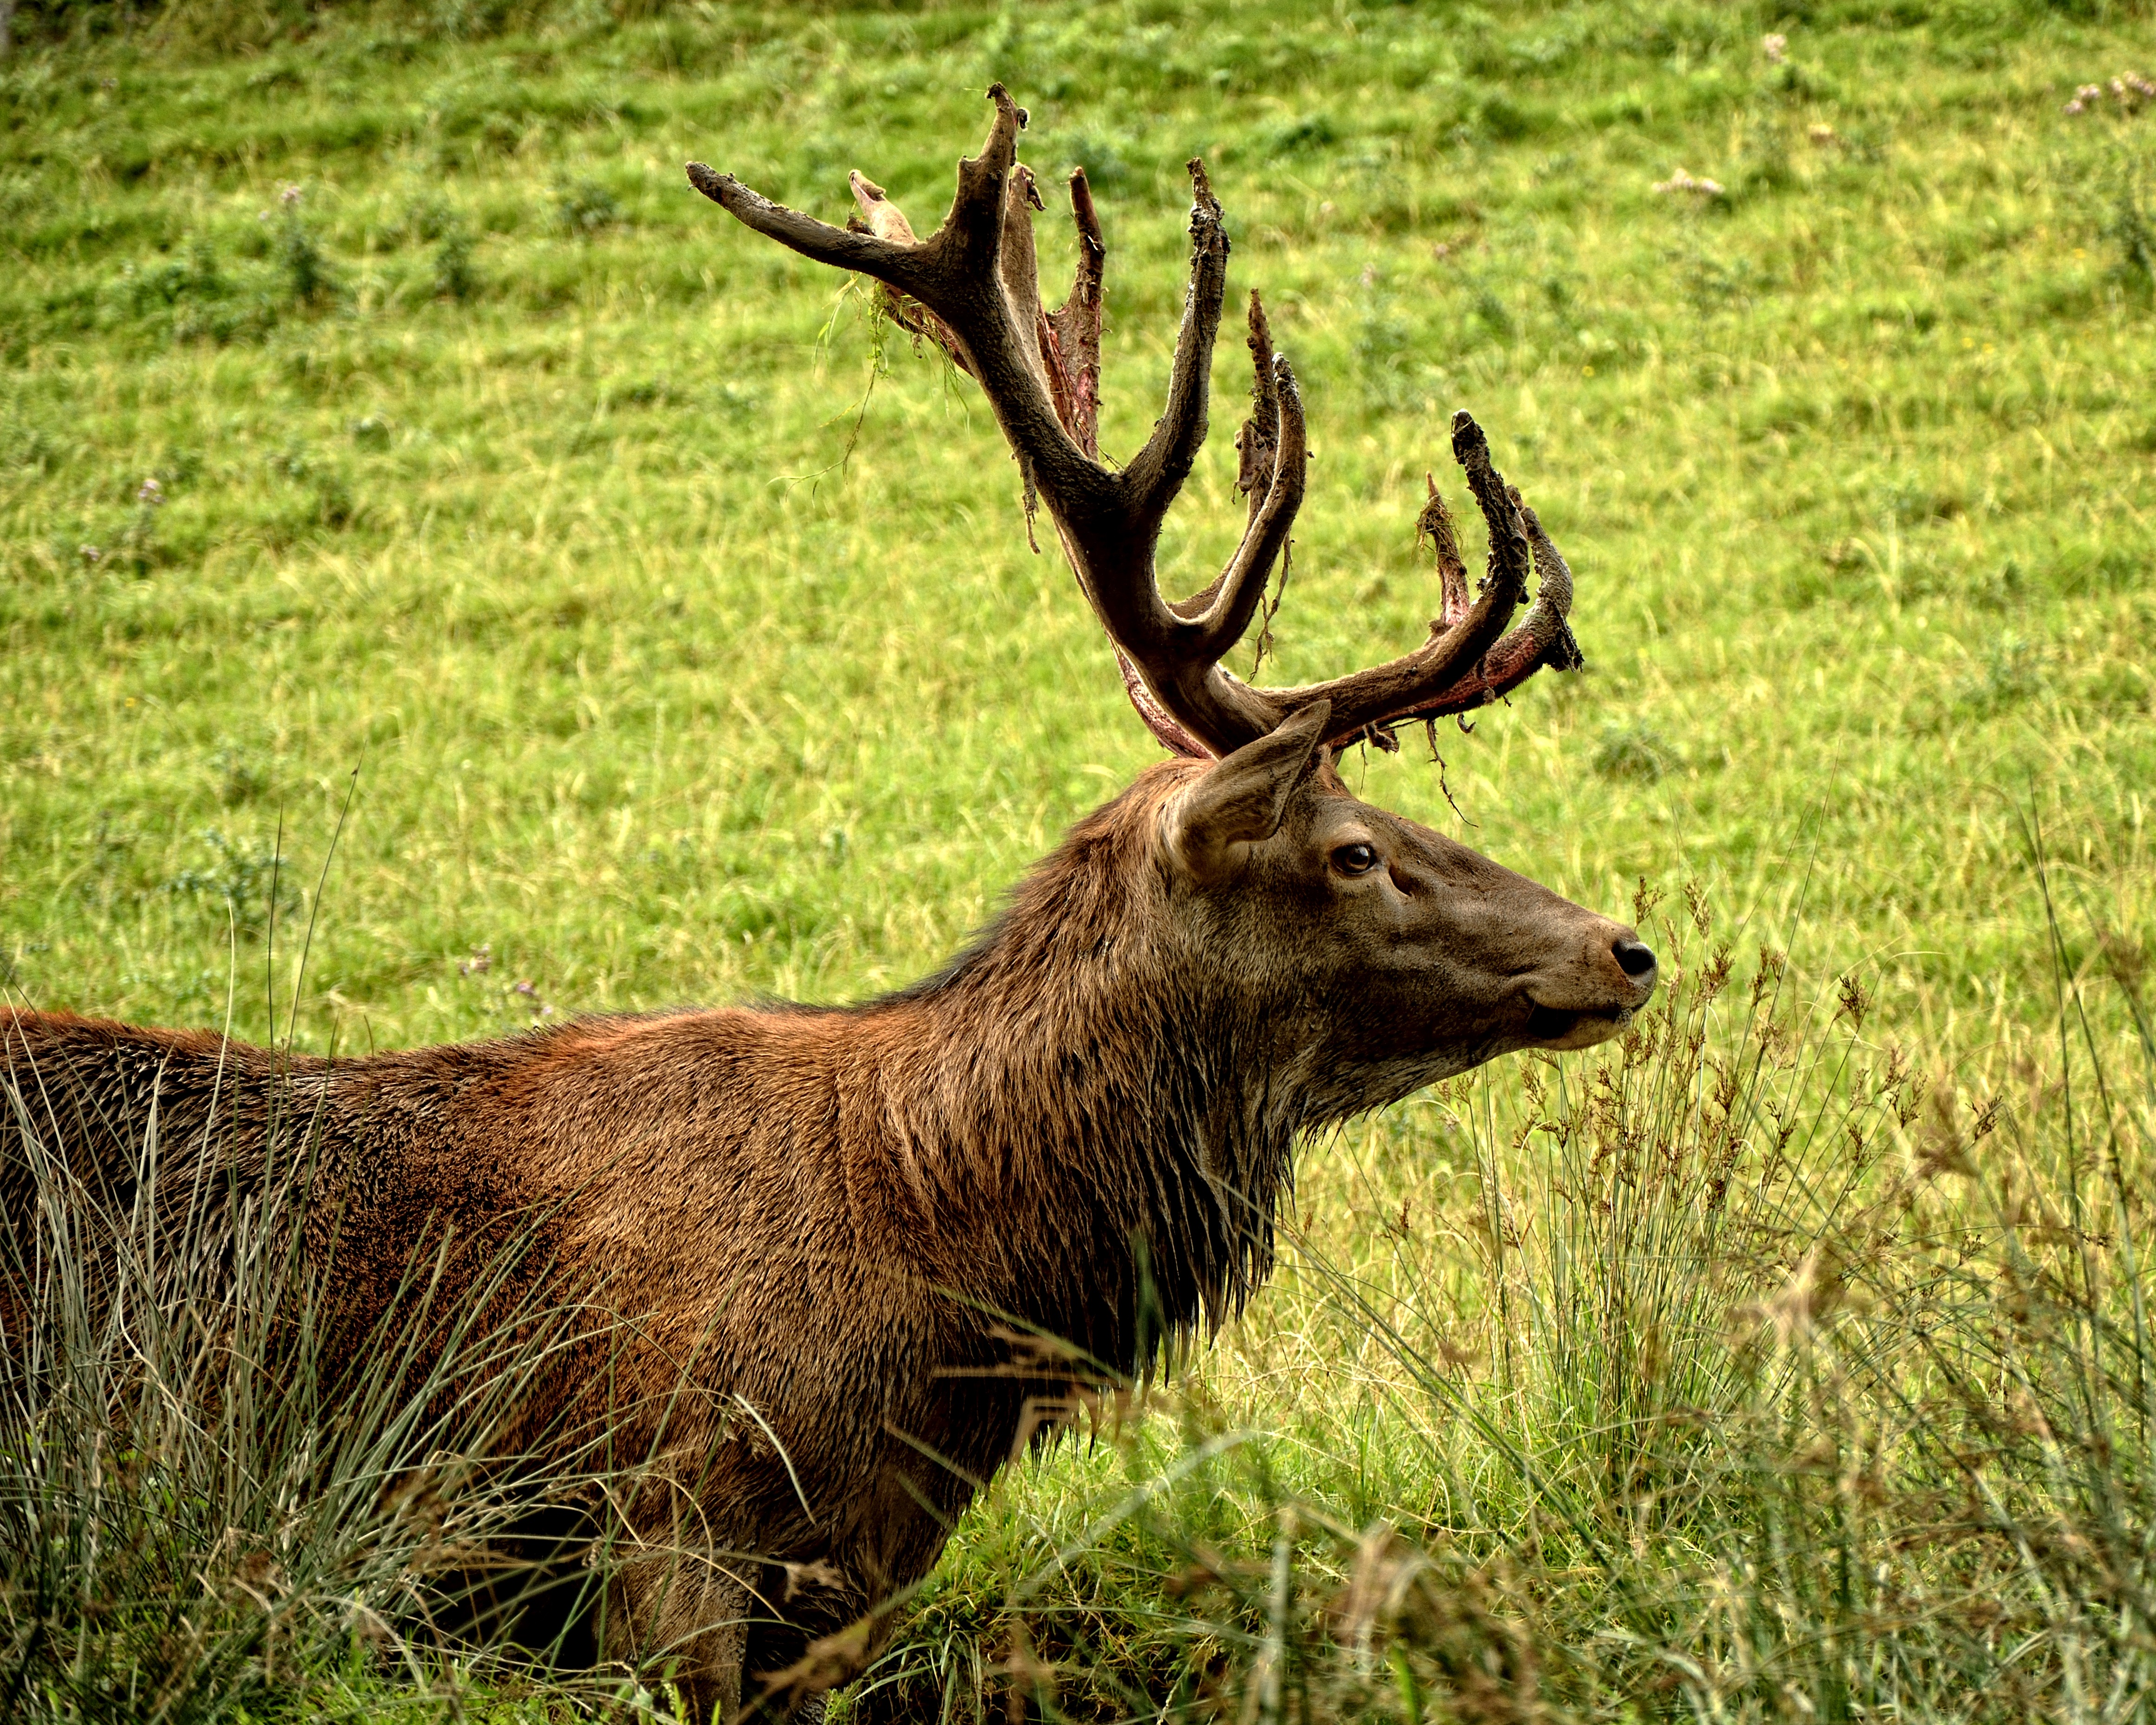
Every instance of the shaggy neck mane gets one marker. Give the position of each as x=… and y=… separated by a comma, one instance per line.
x=1080, y=1113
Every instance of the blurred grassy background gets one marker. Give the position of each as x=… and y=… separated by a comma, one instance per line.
x=378, y=399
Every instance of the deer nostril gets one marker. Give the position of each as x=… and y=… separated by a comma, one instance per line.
x=1635, y=958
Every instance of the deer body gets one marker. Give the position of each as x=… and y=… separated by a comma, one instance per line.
x=851, y=1222
x=864, y=1254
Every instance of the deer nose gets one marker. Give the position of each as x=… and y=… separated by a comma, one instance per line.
x=1635, y=958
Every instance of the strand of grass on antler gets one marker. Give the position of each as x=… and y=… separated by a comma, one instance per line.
x=973, y=287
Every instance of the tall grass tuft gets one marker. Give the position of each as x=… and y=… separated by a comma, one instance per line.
x=212, y=1504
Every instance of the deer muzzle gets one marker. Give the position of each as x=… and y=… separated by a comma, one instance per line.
x=1592, y=998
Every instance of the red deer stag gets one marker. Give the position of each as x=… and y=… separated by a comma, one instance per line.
x=839, y=1219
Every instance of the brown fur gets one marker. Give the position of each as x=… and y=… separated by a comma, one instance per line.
x=841, y=1219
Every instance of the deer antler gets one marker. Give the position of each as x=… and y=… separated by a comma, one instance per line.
x=973, y=287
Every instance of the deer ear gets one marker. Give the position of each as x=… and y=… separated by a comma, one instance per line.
x=1241, y=799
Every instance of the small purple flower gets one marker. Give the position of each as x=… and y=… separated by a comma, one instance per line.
x=1776, y=47
x=150, y=494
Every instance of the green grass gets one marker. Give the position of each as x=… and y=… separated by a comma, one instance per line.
x=203, y=1517
x=680, y=656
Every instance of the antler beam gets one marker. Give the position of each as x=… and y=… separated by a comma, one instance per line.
x=972, y=286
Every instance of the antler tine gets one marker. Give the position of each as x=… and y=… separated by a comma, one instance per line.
x=1157, y=472
x=1242, y=584
x=1272, y=465
x=1257, y=443
x=1075, y=327
x=1274, y=486
x=1543, y=638
x=1385, y=693
x=1434, y=524
x=957, y=274
x=1020, y=272
x=1182, y=671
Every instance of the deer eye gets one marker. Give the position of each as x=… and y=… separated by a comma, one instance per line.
x=1355, y=858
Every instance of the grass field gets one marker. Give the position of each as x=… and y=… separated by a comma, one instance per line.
x=384, y=424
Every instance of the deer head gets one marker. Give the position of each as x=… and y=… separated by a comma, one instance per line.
x=1419, y=957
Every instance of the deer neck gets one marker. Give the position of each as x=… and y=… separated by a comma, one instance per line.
x=1096, y=1140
